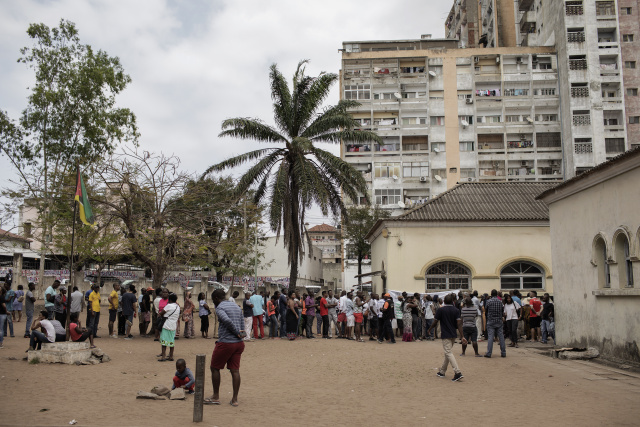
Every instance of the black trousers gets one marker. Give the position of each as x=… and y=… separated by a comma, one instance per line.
x=325, y=325
x=386, y=329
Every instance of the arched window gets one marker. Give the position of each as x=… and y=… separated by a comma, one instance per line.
x=625, y=269
x=448, y=275
x=600, y=257
x=521, y=275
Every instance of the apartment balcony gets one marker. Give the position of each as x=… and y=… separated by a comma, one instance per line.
x=608, y=48
x=488, y=76
x=492, y=174
x=528, y=18
x=525, y=4
x=613, y=103
x=529, y=39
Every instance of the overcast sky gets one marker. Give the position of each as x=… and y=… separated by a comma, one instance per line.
x=195, y=63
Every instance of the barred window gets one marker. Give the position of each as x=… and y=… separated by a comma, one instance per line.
x=448, y=275
x=521, y=275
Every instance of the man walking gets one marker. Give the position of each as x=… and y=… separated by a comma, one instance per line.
x=257, y=305
x=494, y=309
x=229, y=347
x=449, y=318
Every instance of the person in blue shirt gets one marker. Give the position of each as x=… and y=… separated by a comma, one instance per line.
x=183, y=377
x=258, y=310
x=229, y=347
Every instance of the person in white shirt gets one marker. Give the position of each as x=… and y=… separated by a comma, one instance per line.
x=342, y=316
x=372, y=307
x=332, y=303
x=47, y=335
x=429, y=315
x=171, y=313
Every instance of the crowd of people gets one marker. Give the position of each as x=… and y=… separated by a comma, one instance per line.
x=351, y=316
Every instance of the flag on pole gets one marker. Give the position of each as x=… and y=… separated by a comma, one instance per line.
x=86, y=215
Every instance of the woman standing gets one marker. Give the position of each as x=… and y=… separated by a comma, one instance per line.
x=3, y=314
x=187, y=316
x=203, y=312
x=407, y=319
x=292, y=316
x=171, y=314
x=511, y=316
x=17, y=304
x=416, y=317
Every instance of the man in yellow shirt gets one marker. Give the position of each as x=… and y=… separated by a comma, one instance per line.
x=113, y=308
x=94, y=310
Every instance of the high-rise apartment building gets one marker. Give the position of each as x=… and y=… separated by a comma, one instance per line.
x=449, y=115
x=598, y=66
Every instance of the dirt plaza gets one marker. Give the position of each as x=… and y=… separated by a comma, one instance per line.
x=322, y=382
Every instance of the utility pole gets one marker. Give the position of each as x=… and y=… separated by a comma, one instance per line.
x=255, y=243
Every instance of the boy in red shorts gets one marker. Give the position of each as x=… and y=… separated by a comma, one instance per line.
x=229, y=347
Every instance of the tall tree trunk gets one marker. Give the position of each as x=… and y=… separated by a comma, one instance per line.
x=158, y=274
x=359, y=270
x=293, y=276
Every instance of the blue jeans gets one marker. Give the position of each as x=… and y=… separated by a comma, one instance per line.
x=494, y=329
x=50, y=311
x=273, y=326
x=544, y=327
x=93, y=324
x=37, y=338
x=3, y=317
x=432, y=333
x=27, y=329
x=8, y=321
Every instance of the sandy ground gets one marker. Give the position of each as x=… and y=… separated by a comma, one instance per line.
x=320, y=382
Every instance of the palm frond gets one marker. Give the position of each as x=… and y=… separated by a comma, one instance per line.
x=247, y=128
x=349, y=136
x=258, y=171
x=237, y=160
x=313, y=99
x=281, y=96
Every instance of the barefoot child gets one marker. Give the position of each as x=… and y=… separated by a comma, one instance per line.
x=184, y=377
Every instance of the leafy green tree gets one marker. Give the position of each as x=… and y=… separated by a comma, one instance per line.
x=71, y=117
x=295, y=175
x=357, y=224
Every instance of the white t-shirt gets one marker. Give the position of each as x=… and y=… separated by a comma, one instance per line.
x=428, y=310
x=510, y=311
x=476, y=304
x=156, y=303
x=341, y=304
x=51, y=331
x=380, y=305
x=172, y=313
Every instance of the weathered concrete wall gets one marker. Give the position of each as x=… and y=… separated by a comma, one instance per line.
x=587, y=314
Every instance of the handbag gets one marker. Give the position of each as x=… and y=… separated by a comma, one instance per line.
x=21, y=298
x=162, y=319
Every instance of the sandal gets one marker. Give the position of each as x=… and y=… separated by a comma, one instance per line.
x=170, y=359
x=233, y=404
x=210, y=401
x=162, y=360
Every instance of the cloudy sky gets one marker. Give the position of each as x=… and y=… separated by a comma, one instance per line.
x=196, y=62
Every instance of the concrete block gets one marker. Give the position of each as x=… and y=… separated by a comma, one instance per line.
x=146, y=395
x=63, y=352
x=177, y=394
x=65, y=346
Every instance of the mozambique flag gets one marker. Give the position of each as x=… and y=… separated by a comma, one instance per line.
x=86, y=215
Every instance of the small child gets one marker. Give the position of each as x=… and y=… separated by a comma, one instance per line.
x=184, y=377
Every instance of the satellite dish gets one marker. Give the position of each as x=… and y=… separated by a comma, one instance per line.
x=436, y=150
x=398, y=95
x=395, y=177
x=465, y=123
x=402, y=205
x=529, y=119
x=432, y=73
x=438, y=178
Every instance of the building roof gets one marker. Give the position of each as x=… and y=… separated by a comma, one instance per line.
x=484, y=201
x=323, y=228
x=609, y=164
x=4, y=234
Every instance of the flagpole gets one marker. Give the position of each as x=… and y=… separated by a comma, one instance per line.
x=73, y=235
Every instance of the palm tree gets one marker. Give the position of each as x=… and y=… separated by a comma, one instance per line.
x=297, y=174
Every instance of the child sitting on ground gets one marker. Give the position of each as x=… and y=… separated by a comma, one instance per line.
x=184, y=377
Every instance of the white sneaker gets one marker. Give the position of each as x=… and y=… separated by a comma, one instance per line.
x=114, y=336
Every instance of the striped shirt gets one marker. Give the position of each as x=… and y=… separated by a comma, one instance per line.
x=494, y=309
x=469, y=315
x=231, y=322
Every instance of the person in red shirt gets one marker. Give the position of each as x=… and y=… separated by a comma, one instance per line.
x=77, y=332
x=534, y=315
x=324, y=313
x=273, y=318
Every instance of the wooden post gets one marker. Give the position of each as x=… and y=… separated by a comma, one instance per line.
x=198, y=401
